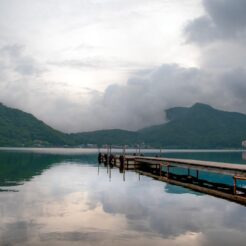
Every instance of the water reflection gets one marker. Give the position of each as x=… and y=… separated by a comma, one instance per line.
x=18, y=167
x=64, y=200
x=173, y=189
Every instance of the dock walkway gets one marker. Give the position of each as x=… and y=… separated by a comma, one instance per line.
x=215, y=167
x=162, y=169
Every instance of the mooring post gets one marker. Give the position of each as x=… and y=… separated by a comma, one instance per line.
x=197, y=174
x=124, y=168
x=109, y=174
x=107, y=158
x=168, y=170
x=188, y=172
x=235, y=185
x=160, y=166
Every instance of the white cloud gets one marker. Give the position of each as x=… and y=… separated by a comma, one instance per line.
x=90, y=65
x=141, y=102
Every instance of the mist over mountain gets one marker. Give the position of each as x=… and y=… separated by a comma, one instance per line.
x=199, y=126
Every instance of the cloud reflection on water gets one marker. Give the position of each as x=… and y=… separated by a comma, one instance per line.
x=69, y=203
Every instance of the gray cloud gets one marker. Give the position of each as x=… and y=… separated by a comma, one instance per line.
x=138, y=103
x=224, y=19
x=141, y=101
x=98, y=63
x=13, y=57
x=223, y=56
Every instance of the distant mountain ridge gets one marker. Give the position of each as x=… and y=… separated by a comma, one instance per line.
x=18, y=128
x=198, y=126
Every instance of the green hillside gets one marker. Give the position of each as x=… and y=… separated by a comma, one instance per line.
x=199, y=126
x=18, y=128
x=102, y=137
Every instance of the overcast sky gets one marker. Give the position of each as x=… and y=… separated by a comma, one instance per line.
x=98, y=64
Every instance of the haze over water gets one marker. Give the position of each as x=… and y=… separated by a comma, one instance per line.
x=62, y=197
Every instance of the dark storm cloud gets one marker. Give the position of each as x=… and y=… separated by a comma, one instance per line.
x=224, y=19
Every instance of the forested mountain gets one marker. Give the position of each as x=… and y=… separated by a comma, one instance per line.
x=18, y=128
x=199, y=126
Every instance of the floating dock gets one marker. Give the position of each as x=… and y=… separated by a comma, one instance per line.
x=163, y=169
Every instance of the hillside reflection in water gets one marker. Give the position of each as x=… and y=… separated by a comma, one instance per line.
x=62, y=200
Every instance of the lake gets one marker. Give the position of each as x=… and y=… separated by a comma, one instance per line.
x=62, y=197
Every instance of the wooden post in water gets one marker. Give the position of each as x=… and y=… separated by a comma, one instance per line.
x=197, y=174
x=124, y=175
x=124, y=169
x=235, y=185
x=107, y=158
x=160, y=166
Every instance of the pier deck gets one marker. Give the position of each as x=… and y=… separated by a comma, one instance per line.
x=215, y=167
x=161, y=169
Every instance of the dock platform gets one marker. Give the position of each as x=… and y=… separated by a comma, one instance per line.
x=163, y=169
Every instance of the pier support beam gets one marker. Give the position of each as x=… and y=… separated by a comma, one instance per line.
x=168, y=171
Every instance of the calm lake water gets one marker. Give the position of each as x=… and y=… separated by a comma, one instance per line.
x=61, y=197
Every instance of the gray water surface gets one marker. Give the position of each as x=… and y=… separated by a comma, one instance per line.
x=64, y=198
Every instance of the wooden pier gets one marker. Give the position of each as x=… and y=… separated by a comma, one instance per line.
x=163, y=169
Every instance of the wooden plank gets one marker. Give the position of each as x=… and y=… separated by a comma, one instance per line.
x=240, y=178
x=216, y=167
